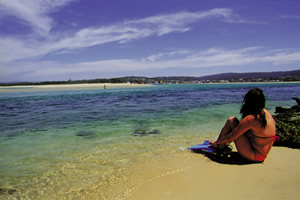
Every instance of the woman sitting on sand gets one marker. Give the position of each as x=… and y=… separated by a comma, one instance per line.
x=255, y=134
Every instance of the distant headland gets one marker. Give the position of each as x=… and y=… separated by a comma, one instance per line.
x=278, y=76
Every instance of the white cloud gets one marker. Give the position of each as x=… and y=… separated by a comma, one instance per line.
x=180, y=59
x=121, y=32
x=202, y=59
x=290, y=16
x=167, y=55
x=135, y=29
x=282, y=58
x=32, y=12
x=13, y=49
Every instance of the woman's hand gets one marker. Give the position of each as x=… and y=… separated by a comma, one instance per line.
x=213, y=144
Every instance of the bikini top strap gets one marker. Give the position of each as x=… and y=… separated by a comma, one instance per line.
x=275, y=138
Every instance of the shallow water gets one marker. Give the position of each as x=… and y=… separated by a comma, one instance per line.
x=83, y=143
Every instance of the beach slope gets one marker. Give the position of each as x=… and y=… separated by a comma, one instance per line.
x=277, y=178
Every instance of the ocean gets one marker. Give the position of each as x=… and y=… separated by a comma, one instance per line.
x=96, y=143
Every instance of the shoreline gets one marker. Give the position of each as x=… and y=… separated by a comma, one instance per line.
x=25, y=88
x=91, y=86
x=199, y=176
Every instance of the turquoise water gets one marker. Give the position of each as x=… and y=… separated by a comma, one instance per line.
x=81, y=143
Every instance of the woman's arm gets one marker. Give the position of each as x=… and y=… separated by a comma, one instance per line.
x=245, y=125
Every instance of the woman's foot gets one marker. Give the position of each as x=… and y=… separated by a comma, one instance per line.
x=221, y=148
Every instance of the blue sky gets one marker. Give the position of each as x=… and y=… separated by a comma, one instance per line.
x=47, y=40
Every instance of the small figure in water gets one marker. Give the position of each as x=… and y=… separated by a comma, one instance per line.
x=105, y=87
x=255, y=134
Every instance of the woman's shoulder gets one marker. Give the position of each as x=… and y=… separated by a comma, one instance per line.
x=267, y=112
x=249, y=118
x=269, y=116
x=251, y=121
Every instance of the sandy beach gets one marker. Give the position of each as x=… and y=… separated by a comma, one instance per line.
x=87, y=86
x=201, y=177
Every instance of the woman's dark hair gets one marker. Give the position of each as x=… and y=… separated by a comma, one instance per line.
x=254, y=104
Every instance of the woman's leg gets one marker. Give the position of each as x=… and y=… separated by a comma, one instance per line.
x=230, y=124
x=244, y=147
x=242, y=143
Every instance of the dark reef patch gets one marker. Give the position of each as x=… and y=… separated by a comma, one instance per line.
x=288, y=126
